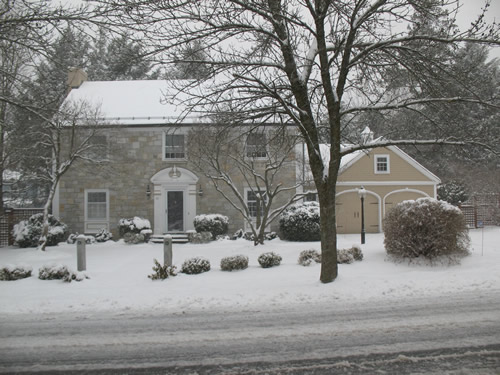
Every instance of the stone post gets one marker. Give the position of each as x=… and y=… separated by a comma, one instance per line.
x=81, y=257
x=167, y=250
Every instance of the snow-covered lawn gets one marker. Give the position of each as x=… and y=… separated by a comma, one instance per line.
x=118, y=277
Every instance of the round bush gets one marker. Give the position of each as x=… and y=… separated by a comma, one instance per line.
x=214, y=223
x=27, y=232
x=426, y=228
x=233, y=263
x=300, y=222
x=268, y=260
x=307, y=257
x=195, y=266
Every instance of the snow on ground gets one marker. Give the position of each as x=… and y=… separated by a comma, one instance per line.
x=118, y=277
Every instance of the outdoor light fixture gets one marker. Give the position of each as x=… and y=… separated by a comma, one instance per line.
x=362, y=196
x=200, y=192
x=148, y=191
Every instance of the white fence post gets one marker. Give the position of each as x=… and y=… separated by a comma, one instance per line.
x=167, y=250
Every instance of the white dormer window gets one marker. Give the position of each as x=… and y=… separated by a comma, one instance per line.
x=382, y=164
x=174, y=146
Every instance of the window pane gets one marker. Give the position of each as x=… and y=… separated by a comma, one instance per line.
x=96, y=197
x=174, y=146
x=256, y=146
x=382, y=164
x=97, y=205
x=252, y=203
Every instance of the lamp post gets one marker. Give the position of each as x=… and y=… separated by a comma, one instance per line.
x=362, y=195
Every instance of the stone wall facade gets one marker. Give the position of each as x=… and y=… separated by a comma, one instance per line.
x=136, y=155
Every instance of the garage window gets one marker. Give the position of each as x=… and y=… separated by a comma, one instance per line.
x=382, y=164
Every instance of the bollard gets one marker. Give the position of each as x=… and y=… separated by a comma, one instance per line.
x=167, y=250
x=81, y=261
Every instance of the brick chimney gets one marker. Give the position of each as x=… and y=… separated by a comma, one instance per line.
x=76, y=77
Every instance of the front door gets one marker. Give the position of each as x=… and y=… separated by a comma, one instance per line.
x=175, y=211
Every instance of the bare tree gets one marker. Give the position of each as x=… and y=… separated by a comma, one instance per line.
x=64, y=139
x=261, y=161
x=318, y=62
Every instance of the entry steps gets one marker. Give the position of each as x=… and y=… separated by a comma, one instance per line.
x=177, y=237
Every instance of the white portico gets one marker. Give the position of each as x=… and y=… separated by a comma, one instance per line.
x=174, y=194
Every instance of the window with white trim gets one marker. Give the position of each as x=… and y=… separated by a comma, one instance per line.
x=174, y=146
x=382, y=164
x=96, y=205
x=256, y=145
x=253, y=202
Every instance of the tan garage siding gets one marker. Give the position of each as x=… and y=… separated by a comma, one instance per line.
x=364, y=169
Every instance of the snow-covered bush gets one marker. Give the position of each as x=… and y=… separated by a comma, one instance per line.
x=452, y=192
x=27, y=232
x=426, y=228
x=195, y=266
x=344, y=256
x=233, y=263
x=10, y=272
x=103, y=235
x=60, y=272
x=268, y=260
x=74, y=236
x=135, y=230
x=356, y=252
x=300, y=222
x=162, y=272
x=307, y=257
x=214, y=223
x=133, y=225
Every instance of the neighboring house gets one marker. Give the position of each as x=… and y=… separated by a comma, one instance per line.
x=150, y=174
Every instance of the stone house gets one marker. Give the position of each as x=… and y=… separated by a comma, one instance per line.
x=150, y=173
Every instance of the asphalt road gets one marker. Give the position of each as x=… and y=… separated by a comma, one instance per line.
x=457, y=334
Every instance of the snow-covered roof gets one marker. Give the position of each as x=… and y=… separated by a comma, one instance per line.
x=140, y=102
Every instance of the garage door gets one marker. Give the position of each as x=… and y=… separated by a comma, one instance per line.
x=349, y=213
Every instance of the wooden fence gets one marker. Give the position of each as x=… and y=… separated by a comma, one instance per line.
x=11, y=217
x=482, y=210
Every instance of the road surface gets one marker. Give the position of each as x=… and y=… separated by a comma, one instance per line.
x=456, y=334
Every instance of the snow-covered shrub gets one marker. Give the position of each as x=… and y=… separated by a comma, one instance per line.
x=214, y=223
x=426, y=228
x=202, y=237
x=135, y=230
x=10, y=272
x=270, y=236
x=27, y=232
x=233, y=263
x=133, y=225
x=307, y=257
x=356, y=252
x=268, y=260
x=240, y=233
x=452, y=192
x=133, y=238
x=300, y=222
x=103, y=235
x=195, y=266
x=74, y=236
x=344, y=256
x=162, y=272
x=60, y=272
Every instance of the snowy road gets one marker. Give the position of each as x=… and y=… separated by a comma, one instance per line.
x=460, y=332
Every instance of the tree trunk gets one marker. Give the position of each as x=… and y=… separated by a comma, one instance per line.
x=329, y=269
x=42, y=242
